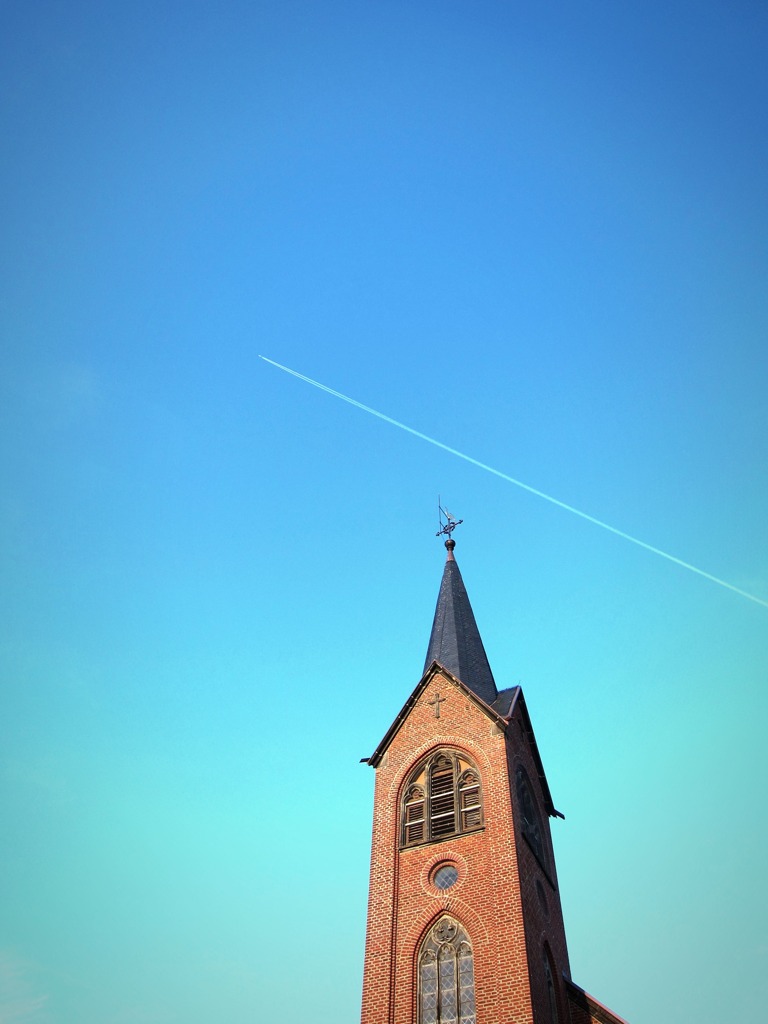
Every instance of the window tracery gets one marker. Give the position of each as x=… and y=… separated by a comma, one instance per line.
x=446, y=975
x=442, y=799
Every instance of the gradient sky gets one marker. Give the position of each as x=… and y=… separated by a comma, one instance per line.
x=538, y=233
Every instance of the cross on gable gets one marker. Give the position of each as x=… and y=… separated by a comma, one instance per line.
x=436, y=701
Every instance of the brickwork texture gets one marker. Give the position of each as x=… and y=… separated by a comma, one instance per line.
x=506, y=895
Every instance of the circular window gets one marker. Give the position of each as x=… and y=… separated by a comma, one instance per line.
x=445, y=876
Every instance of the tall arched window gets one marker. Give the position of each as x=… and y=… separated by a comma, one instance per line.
x=551, y=993
x=530, y=817
x=446, y=975
x=442, y=799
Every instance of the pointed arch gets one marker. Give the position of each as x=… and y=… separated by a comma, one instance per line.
x=442, y=798
x=531, y=821
x=446, y=975
x=549, y=977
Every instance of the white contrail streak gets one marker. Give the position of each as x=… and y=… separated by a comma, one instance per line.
x=519, y=483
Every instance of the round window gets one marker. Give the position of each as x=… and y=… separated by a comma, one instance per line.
x=445, y=876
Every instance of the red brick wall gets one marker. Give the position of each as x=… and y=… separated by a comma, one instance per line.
x=495, y=898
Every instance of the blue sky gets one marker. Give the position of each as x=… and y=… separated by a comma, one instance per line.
x=537, y=234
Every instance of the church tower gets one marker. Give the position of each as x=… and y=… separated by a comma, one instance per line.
x=464, y=918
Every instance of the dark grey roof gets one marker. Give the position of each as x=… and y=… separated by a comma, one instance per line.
x=505, y=701
x=455, y=641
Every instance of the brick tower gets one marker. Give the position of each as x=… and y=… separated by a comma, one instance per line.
x=464, y=917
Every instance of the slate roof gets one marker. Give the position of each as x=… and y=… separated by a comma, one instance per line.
x=455, y=639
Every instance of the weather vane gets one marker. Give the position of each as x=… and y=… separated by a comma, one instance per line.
x=450, y=523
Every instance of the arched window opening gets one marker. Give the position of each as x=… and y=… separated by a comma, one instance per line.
x=551, y=992
x=413, y=816
x=446, y=976
x=529, y=813
x=442, y=799
x=469, y=801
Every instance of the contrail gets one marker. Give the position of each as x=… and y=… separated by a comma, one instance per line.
x=519, y=483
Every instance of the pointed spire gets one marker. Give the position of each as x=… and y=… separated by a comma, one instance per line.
x=455, y=640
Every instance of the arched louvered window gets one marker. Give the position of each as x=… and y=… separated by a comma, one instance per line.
x=446, y=975
x=470, y=811
x=442, y=799
x=414, y=809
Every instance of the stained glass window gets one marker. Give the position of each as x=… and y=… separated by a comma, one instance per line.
x=466, y=984
x=445, y=876
x=446, y=976
x=428, y=987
